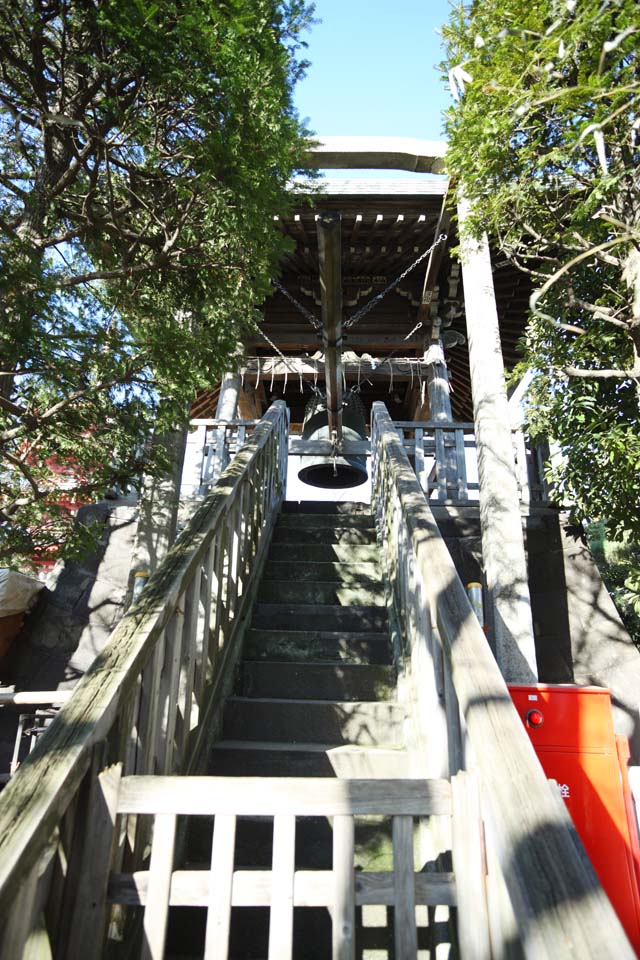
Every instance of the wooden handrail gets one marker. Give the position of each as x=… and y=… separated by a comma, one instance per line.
x=560, y=908
x=145, y=698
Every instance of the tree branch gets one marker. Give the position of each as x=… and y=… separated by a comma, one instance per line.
x=13, y=408
x=538, y=294
x=632, y=374
x=26, y=473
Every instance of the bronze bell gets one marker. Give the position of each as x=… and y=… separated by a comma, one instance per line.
x=340, y=472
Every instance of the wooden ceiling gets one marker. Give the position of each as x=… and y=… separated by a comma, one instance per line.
x=386, y=226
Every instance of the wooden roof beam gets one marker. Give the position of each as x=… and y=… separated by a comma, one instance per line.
x=433, y=265
x=377, y=153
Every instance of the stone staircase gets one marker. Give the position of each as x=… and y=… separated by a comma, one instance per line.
x=314, y=698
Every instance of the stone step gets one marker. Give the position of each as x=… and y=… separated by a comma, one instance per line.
x=344, y=573
x=324, y=521
x=324, y=553
x=312, y=934
x=343, y=595
x=327, y=507
x=337, y=533
x=318, y=645
x=314, y=721
x=373, y=848
x=317, y=681
x=244, y=758
x=249, y=934
x=270, y=616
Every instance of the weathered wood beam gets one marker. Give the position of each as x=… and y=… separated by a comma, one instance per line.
x=324, y=448
x=377, y=153
x=329, y=227
x=502, y=538
x=247, y=403
x=268, y=368
x=440, y=409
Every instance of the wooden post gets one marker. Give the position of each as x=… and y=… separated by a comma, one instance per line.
x=440, y=404
x=248, y=404
x=330, y=255
x=502, y=539
x=228, y=399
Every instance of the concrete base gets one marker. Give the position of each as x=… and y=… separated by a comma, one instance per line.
x=579, y=635
x=74, y=615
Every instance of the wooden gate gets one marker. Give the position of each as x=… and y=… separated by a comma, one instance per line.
x=283, y=888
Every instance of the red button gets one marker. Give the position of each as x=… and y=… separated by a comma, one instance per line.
x=535, y=718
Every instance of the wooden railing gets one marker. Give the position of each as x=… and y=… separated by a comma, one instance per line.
x=211, y=446
x=223, y=884
x=445, y=460
x=147, y=702
x=544, y=900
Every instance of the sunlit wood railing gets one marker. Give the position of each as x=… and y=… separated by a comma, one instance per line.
x=543, y=897
x=148, y=701
x=445, y=459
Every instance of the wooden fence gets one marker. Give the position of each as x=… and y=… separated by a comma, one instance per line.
x=211, y=446
x=443, y=454
x=544, y=899
x=445, y=460
x=146, y=702
x=286, y=801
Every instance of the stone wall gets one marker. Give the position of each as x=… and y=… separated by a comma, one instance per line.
x=79, y=608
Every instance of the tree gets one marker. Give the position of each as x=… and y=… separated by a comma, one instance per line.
x=144, y=151
x=619, y=565
x=544, y=141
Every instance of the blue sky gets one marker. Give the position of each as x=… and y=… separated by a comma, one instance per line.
x=373, y=69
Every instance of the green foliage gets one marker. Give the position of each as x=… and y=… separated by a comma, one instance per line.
x=145, y=149
x=545, y=140
x=619, y=565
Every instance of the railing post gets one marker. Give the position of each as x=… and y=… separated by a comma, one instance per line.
x=440, y=404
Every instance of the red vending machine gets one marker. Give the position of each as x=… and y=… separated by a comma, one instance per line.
x=571, y=729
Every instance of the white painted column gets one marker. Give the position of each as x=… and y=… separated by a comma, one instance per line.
x=228, y=399
x=500, y=518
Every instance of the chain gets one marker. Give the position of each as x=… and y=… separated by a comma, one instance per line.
x=417, y=327
x=315, y=323
x=359, y=314
x=287, y=363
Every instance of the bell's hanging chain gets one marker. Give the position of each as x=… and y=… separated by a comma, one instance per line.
x=359, y=314
x=315, y=323
x=287, y=362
